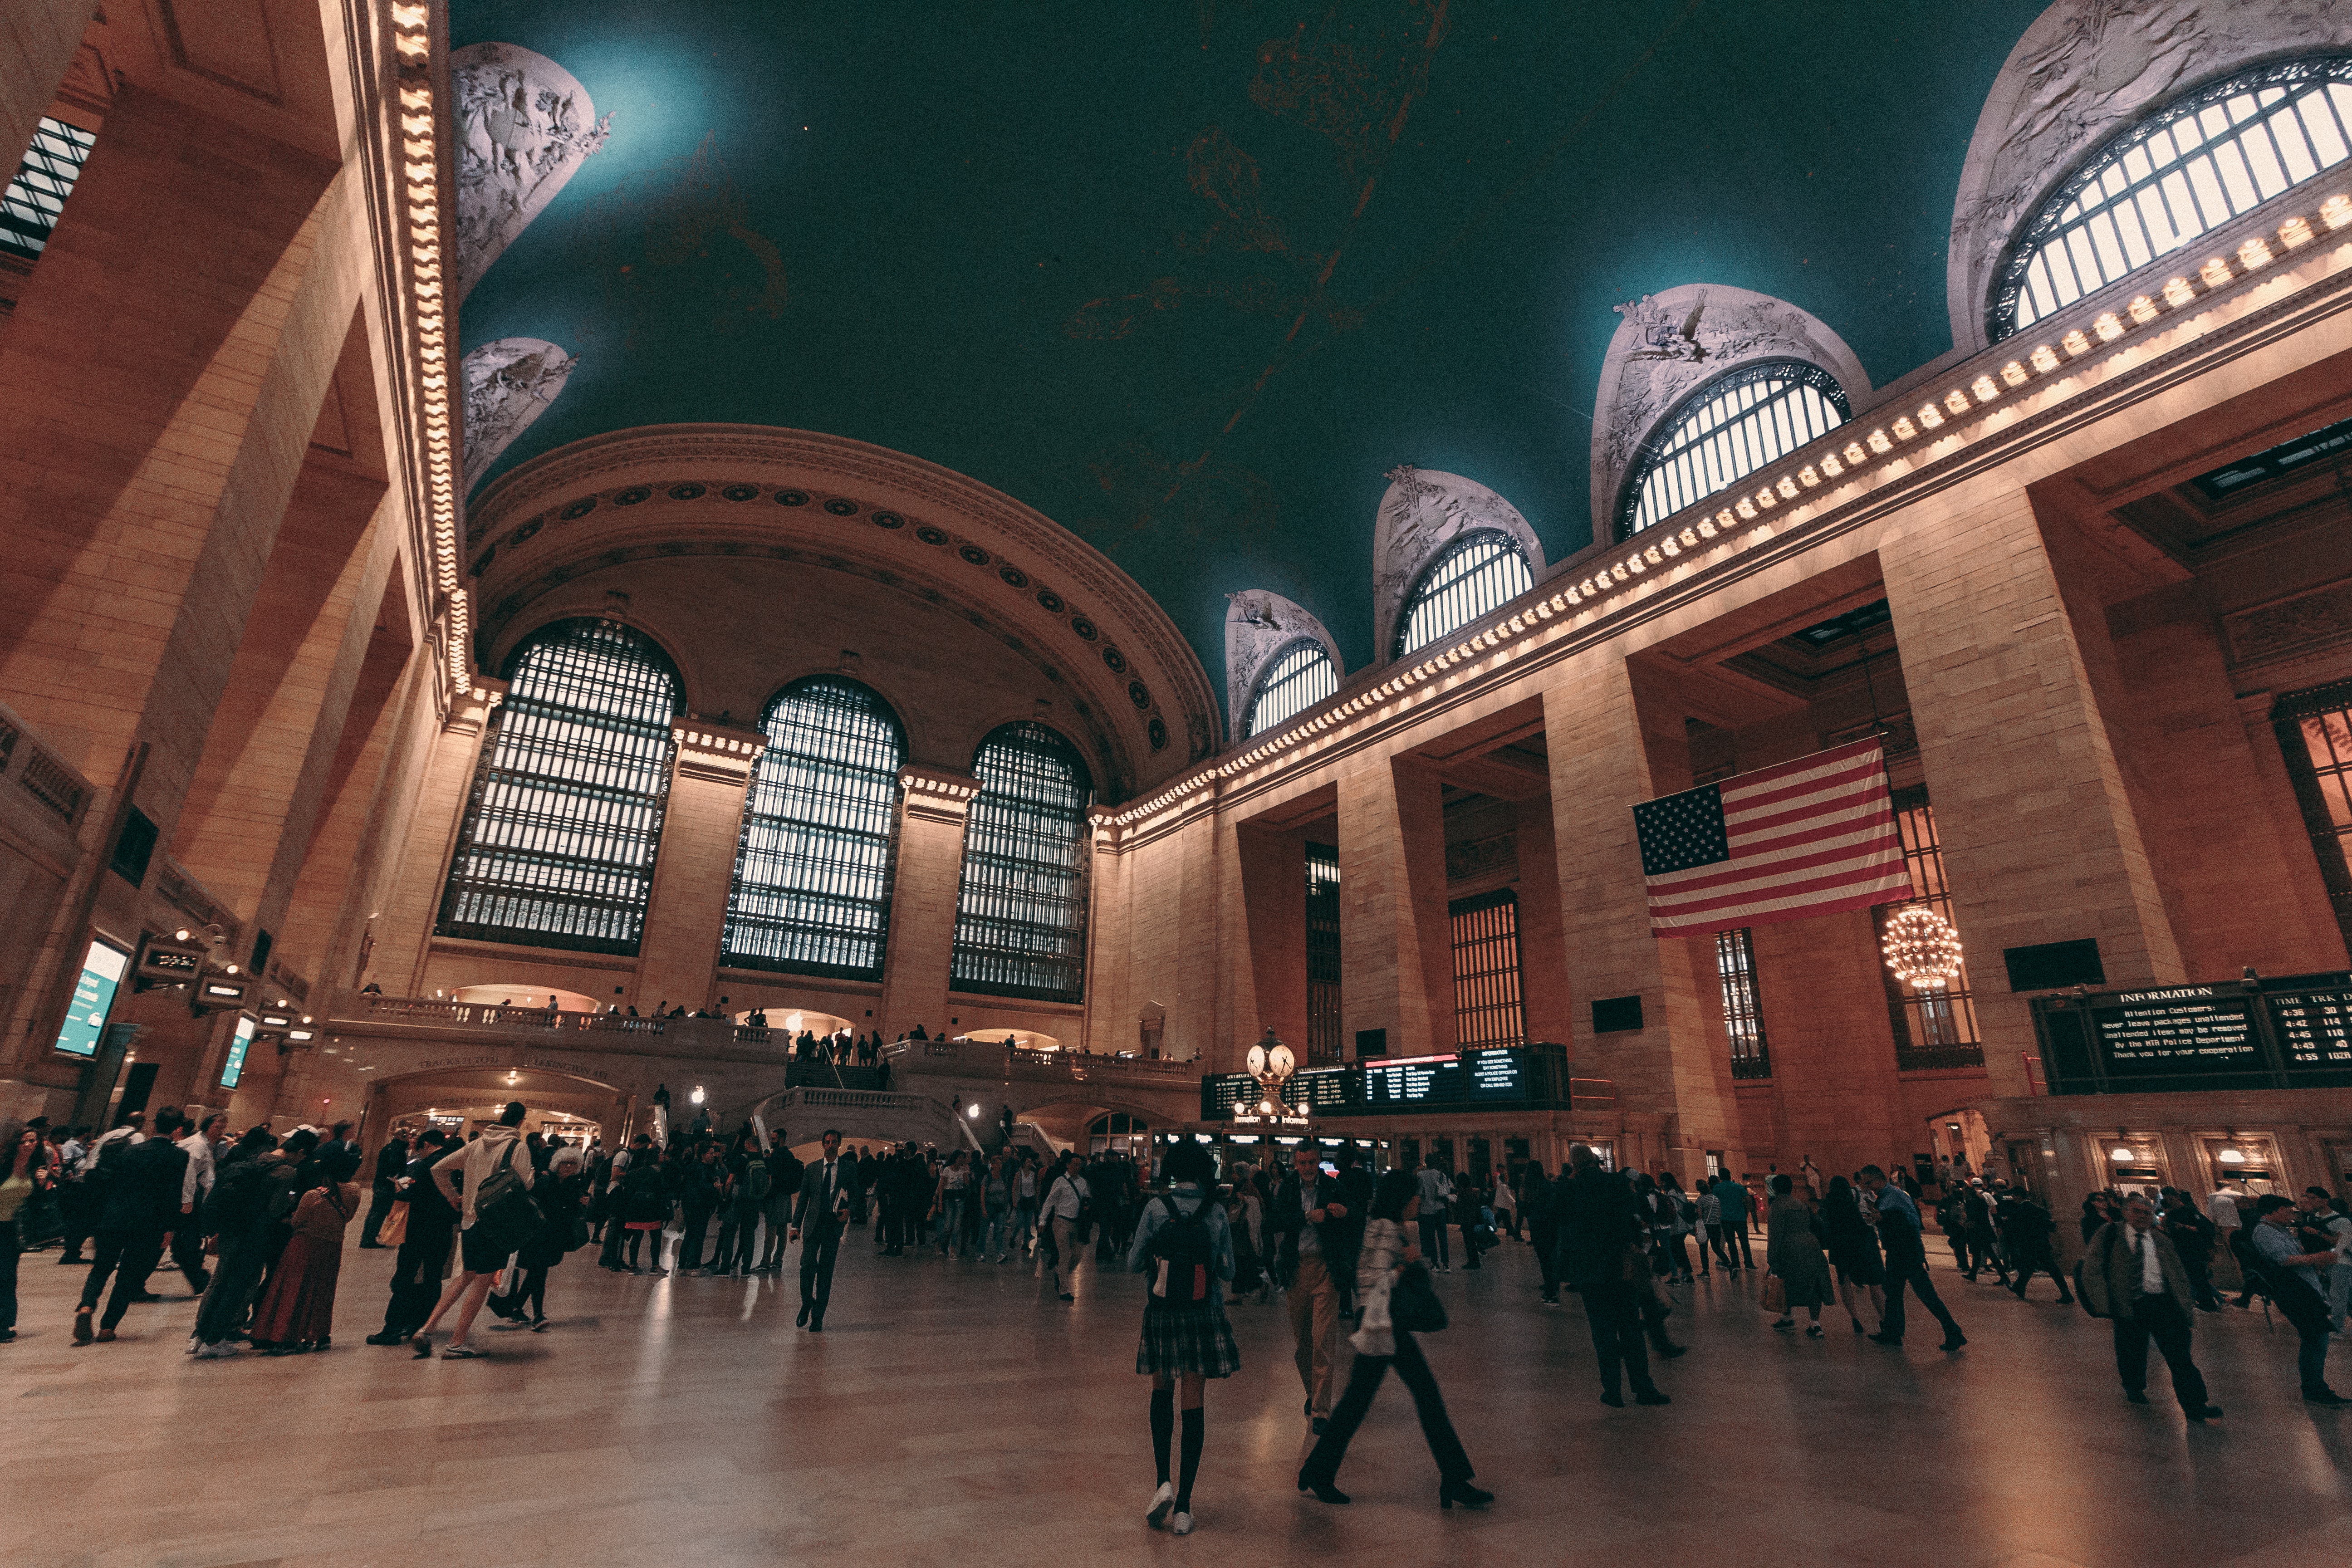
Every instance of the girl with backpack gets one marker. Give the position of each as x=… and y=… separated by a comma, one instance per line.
x=1183, y=1241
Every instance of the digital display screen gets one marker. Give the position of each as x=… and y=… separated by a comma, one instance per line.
x=2315, y=1027
x=2182, y=1029
x=93, y=998
x=233, y=1068
x=1310, y=1089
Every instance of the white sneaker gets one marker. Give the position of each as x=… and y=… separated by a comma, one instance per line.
x=220, y=1351
x=1183, y=1524
x=1161, y=1501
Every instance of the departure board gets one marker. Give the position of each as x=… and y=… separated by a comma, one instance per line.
x=1535, y=1074
x=2179, y=1029
x=1469, y=1077
x=2315, y=1027
x=2281, y=1032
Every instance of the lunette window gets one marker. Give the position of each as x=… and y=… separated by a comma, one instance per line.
x=812, y=888
x=557, y=848
x=1021, y=928
x=2201, y=160
x=1472, y=578
x=1727, y=429
x=35, y=197
x=1300, y=677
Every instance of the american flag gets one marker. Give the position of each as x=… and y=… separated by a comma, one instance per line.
x=1780, y=844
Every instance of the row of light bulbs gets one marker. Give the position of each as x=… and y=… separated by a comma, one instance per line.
x=2333, y=213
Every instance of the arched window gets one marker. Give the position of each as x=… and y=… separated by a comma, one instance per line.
x=2186, y=169
x=558, y=845
x=1475, y=575
x=1724, y=431
x=1021, y=921
x=1300, y=677
x=812, y=870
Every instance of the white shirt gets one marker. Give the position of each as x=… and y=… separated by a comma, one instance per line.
x=2221, y=1208
x=2151, y=1269
x=476, y=1160
x=90, y=1161
x=199, y=1179
x=1069, y=1192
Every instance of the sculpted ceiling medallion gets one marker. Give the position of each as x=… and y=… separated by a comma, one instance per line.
x=918, y=535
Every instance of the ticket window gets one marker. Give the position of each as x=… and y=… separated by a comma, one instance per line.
x=1606, y=1151
x=2249, y=1165
x=2025, y=1165
x=1482, y=1157
x=2135, y=1166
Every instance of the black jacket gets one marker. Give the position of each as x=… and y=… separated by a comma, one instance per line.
x=143, y=1187
x=1595, y=1210
x=391, y=1160
x=1286, y=1218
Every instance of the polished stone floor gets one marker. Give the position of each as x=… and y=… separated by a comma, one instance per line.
x=956, y=1413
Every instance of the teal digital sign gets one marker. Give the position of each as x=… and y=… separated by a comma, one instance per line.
x=93, y=998
x=233, y=1068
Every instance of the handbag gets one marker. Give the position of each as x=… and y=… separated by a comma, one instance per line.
x=1414, y=1305
x=1776, y=1294
x=504, y=1213
x=394, y=1229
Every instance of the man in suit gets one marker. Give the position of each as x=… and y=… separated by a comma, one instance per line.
x=822, y=1211
x=391, y=1165
x=1603, y=1253
x=2135, y=1276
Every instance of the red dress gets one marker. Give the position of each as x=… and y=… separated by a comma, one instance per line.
x=298, y=1307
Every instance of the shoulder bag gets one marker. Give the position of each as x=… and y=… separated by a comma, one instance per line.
x=1414, y=1305
x=505, y=1214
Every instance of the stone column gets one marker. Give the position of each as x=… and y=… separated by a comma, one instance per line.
x=1270, y=981
x=1396, y=949
x=405, y=933
x=2039, y=837
x=925, y=886
x=694, y=870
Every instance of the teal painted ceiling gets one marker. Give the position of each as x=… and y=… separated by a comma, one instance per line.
x=1162, y=270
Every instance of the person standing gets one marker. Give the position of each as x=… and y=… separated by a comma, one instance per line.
x=141, y=1203
x=1710, y=1224
x=1984, y=1240
x=817, y=1222
x=1306, y=1221
x=2192, y=1237
x=391, y=1165
x=2291, y=1275
x=1906, y=1262
x=2134, y=1276
x=1436, y=1190
x=195, y=1187
x=783, y=1190
x=296, y=1311
x=704, y=1190
x=1066, y=1200
x=1853, y=1247
x=948, y=1200
x=1733, y=1204
x=1543, y=1230
x=1792, y=1251
x=482, y=1255
x=1183, y=1240
x=256, y=1176
x=1605, y=1258
x=418, y=1267
x=21, y=1163
x=2325, y=1223
x=1380, y=1345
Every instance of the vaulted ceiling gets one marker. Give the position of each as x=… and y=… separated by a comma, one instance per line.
x=1190, y=278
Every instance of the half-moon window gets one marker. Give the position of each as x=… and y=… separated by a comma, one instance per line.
x=1298, y=679
x=1743, y=420
x=1472, y=578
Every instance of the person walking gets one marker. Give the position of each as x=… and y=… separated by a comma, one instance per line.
x=140, y=1199
x=296, y=1311
x=785, y=1174
x=1710, y=1224
x=817, y=1222
x=1983, y=1249
x=947, y=1199
x=2134, y=1276
x=482, y=1256
x=419, y=1267
x=2290, y=1274
x=1733, y=1204
x=1605, y=1258
x=1906, y=1262
x=21, y=1164
x=1792, y=1253
x=1852, y=1246
x=2193, y=1237
x=1307, y=1222
x=1185, y=1243
x=1066, y=1200
x=1436, y=1190
x=2025, y=1235
x=195, y=1187
x=1380, y=1345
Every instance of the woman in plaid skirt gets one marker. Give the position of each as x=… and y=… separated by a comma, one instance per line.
x=1186, y=1340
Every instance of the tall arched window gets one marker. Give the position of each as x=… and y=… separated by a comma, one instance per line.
x=1021, y=921
x=1475, y=575
x=812, y=870
x=2188, y=168
x=557, y=848
x=1300, y=677
x=1724, y=431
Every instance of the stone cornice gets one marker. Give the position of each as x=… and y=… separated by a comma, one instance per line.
x=718, y=752
x=936, y=795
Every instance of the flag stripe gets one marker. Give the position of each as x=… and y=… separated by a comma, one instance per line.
x=1807, y=837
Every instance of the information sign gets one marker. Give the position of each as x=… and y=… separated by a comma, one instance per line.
x=102, y=969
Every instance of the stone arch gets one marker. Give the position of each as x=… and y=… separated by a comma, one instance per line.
x=1671, y=343
x=1422, y=513
x=2084, y=70
x=1260, y=626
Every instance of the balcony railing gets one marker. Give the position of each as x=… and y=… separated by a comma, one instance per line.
x=977, y=1058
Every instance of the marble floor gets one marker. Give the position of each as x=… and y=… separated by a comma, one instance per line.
x=956, y=1413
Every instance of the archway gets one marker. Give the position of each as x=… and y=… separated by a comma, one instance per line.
x=459, y=1099
x=1026, y=1040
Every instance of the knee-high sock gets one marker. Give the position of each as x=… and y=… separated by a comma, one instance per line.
x=1164, y=1427
x=1190, y=1459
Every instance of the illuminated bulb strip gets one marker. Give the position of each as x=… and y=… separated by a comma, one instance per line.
x=420, y=166
x=1655, y=549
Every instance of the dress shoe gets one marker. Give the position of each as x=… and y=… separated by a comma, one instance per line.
x=1462, y=1491
x=1884, y=1339
x=1614, y=1401
x=106, y=1336
x=802, y=1321
x=1953, y=1342
x=387, y=1339
x=2135, y=1396
x=1668, y=1353
x=1324, y=1492
x=82, y=1327
x=2327, y=1396
x=1652, y=1396
x=2204, y=1413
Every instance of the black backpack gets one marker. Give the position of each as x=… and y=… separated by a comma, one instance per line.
x=1185, y=1254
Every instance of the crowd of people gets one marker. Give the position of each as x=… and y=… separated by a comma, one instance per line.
x=255, y=1225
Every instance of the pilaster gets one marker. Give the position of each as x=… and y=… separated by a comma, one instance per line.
x=927, y=880
x=694, y=873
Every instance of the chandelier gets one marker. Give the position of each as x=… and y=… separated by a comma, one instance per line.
x=1922, y=949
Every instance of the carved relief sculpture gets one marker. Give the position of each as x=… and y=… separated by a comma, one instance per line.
x=1424, y=511
x=2084, y=71
x=508, y=383
x=1671, y=343
x=524, y=126
x=1258, y=626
